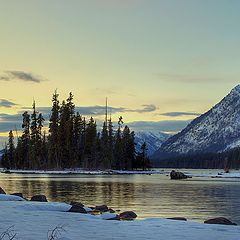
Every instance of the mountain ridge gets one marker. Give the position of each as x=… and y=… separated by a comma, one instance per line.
x=214, y=131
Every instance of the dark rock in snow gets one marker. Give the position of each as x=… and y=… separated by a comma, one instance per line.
x=77, y=204
x=219, y=220
x=102, y=208
x=178, y=218
x=177, y=175
x=2, y=191
x=39, y=198
x=111, y=210
x=17, y=194
x=77, y=209
x=128, y=215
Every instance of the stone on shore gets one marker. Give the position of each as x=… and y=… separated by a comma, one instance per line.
x=128, y=215
x=219, y=220
x=102, y=208
x=178, y=218
x=2, y=191
x=17, y=194
x=178, y=175
x=39, y=198
x=77, y=209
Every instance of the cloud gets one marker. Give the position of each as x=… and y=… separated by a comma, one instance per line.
x=188, y=78
x=6, y=103
x=22, y=76
x=8, y=121
x=146, y=108
x=177, y=114
x=159, y=126
x=99, y=110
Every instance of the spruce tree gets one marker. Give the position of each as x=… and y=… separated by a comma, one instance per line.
x=25, y=141
x=53, y=138
x=90, y=144
x=11, y=150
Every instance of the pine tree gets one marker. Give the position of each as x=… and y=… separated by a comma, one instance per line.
x=25, y=141
x=128, y=148
x=11, y=150
x=142, y=160
x=90, y=144
x=53, y=138
x=118, y=146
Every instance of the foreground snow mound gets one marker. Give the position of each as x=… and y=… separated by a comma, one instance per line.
x=29, y=225
x=45, y=206
x=6, y=197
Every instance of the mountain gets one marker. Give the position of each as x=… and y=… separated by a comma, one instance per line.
x=1, y=153
x=152, y=139
x=215, y=131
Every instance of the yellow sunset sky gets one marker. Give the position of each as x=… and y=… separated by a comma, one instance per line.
x=156, y=60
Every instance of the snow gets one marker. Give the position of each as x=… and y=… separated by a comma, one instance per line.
x=108, y=216
x=85, y=172
x=45, y=206
x=5, y=197
x=35, y=224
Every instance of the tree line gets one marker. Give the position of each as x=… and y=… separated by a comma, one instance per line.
x=72, y=141
x=224, y=160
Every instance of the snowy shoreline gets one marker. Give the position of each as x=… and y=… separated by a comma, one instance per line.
x=33, y=220
x=208, y=173
x=82, y=172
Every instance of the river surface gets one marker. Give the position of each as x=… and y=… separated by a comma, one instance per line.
x=149, y=196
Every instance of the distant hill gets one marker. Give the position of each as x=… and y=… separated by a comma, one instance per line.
x=154, y=140
x=215, y=131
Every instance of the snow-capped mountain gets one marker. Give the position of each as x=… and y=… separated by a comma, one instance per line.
x=1, y=153
x=215, y=131
x=152, y=139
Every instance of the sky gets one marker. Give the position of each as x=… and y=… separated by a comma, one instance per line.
x=161, y=63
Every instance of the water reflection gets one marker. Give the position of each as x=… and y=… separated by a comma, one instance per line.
x=149, y=196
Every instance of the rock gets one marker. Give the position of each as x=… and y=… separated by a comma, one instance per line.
x=111, y=210
x=219, y=220
x=77, y=204
x=39, y=198
x=178, y=218
x=178, y=175
x=102, y=208
x=77, y=209
x=128, y=215
x=18, y=194
x=2, y=191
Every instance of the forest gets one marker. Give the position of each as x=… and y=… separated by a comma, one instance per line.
x=72, y=141
x=225, y=160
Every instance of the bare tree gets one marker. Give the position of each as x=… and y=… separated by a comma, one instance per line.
x=55, y=233
x=8, y=234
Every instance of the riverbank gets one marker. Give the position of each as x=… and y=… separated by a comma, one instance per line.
x=35, y=220
x=82, y=172
x=201, y=173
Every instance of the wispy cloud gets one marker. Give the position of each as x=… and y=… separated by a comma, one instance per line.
x=6, y=103
x=99, y=110
x=177, y=114
x=189, y=78
x=145, y=108
x=22, y=76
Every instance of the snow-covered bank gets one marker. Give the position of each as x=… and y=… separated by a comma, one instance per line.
x=216, y=174
x=81, y=171
x=33, y=220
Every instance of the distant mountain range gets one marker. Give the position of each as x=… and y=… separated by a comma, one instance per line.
x=153, y=140
x=215, y=131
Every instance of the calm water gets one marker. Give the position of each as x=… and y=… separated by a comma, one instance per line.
x=148, y=195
